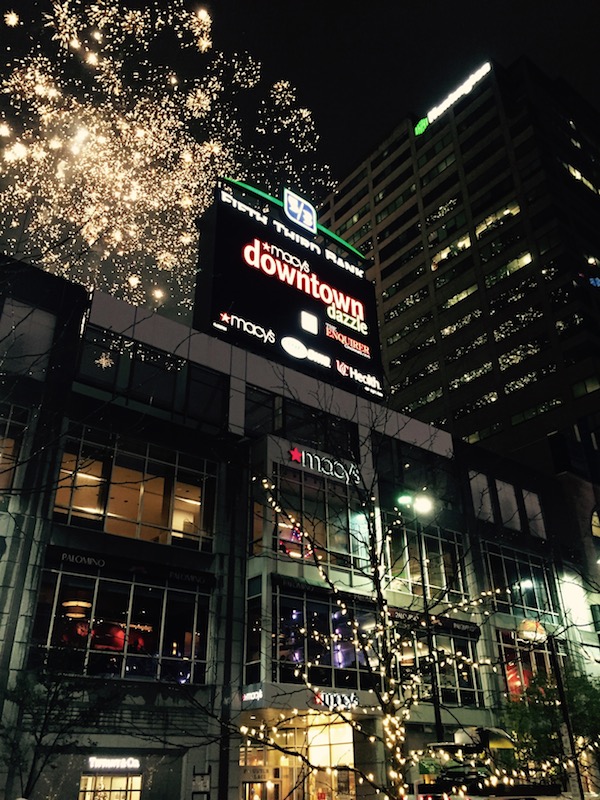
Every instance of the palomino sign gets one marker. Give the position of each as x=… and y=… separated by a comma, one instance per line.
x=330, y=467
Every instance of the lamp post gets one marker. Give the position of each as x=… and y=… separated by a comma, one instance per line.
x=422, y=505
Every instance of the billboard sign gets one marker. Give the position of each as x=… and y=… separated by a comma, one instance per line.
x=288, y=289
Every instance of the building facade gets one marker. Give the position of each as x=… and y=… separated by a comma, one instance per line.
x=480, y=223
x=199, y=546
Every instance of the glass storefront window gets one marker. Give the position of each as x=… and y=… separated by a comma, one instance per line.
x=319, y=517
x=440, y=563
x=12, y=425
x=110, y=787
x=313, y=635
x=92, y=625
x=526, y=584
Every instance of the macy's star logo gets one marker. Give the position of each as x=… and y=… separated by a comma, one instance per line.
x=296, y=455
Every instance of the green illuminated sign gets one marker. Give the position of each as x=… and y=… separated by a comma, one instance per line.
x=421, y=126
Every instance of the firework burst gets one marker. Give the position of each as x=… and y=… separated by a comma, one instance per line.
x=110, y=151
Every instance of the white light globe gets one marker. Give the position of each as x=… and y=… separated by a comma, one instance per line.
x=423, y=504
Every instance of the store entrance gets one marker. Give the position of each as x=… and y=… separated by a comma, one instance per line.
x=260, y=790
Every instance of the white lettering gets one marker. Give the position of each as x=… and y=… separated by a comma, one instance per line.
x=113, y=763
x=462, y=90
x=89, y=561
x=239, y=206
x=369, y=381
x=251, y=328
x=340, y=262
x=249, y=696
x=330, y=467
x=296, y=237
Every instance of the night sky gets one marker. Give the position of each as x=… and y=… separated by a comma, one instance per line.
x=363, y=67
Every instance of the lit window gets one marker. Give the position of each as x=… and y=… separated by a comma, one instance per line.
x=575, y=173
x=12, y=427
x=460, y=323
x=517, y=323
x=423, y=401
x=108, y=626
x=451, y=251
x=507, y=269
x=457, y=298
x=497, y=219
x=521, y=382
x=595, y=524
x=591, y=384
x=518, y=354
x=523, y=582
x=317, y=518
x=455, y=383
x=534, y=411
x=136, y=495
x=110, y=787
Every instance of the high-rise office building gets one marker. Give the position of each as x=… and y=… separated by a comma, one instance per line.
x=481, y=220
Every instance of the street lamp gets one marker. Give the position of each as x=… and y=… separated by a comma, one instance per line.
x=422, y=505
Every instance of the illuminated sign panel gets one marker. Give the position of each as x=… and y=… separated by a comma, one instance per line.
x=464, y=89
x=282, y=292
x=119, y=763
x=332, y=467
x=300, y=211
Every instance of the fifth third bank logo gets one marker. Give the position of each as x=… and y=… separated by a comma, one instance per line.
x=299, y=211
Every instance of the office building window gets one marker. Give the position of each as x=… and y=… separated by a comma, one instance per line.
x=106, y=625
x=27, y=335
x=506, y=504
x=459, y=679
x=497, y=219
x=467, y=377
x=454, y=249
x=448, y=330
x=135, y=489
x=595, y=524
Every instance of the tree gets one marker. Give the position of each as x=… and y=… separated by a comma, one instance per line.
x=538, y=721
x=54, y=712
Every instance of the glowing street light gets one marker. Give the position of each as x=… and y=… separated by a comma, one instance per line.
x=422, y=505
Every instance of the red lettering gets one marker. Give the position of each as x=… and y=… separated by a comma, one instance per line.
x=256, y=254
